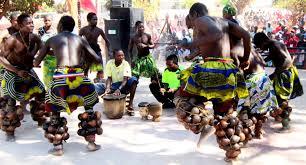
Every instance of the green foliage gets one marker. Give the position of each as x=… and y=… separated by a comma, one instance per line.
x=188, y=3
x=150, y=7
x=27, y=6
x=239, y=4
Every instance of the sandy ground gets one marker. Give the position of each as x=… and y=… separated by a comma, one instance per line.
x=131, y=141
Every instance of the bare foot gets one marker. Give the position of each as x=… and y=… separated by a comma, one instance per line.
x=10, y=138
x=230, y=160
x=93, y=146
x=284, y=130
x=57, y=150
x=206, y=132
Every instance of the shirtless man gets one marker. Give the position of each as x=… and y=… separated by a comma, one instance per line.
x=20, y=82
x=92, y=33
x=213, y=42
x=14, y=25
x=69, y=88
x=144, y=65
x=285, y=77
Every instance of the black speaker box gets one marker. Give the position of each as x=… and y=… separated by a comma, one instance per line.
x=131, y=15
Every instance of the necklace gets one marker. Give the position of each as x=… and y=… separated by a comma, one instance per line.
x=25, y=44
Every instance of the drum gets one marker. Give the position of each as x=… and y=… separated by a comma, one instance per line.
x=155, y=110
x=143, y=110
x=114, y=106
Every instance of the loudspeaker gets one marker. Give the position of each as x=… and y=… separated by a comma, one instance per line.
x=118, y=35
x=131, y=15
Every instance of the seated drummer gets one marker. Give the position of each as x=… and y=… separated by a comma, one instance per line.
x=164, y=91
x=119, y=78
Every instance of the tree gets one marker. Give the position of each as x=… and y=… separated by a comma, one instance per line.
x=27, y=6
x=150, y=7
x=297, y=7
x=186, y=4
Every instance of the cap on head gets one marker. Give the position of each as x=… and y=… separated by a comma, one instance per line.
x=229, y=10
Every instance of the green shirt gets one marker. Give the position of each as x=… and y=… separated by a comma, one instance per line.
x=171, y=78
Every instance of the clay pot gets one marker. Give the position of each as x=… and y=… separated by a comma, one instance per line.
x=235, y=139
x=186, y=125
x=225, y=141
x=10, y=128
x=188, y=119
x=230, y=132
x=84, y=124
x=233, y=122
x=278, y=111
x=19, y=110
x=58, y=137
x=224, y=124
x=81, y=132
x=11, y=116
x=98, y=115
x=61, y=130
x=18, y=124
x=92, y=123
x=232, y=153
x=66, y=136
x=50, y=136
x=80, y=117
x=99, y=123
x=21, y=116
x=220, y=133
x=2, y=114
x=245, y=131
x=205, y=120
x=195, y=110
x=4, y=128
x=249, y=137
x=63, y=121
x=236, y=146
x=99, y=131
x=254, y=120
x=66, y=128
x=51, y=129
x=194, y=129
x=182, y=114
x=84, y=116
x=196, y=119
x=242, y=136
x=238, y=130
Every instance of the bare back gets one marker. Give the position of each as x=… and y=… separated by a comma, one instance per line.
x=217, y=32
x=69, y=50
x=213, y=37
x=279, y=55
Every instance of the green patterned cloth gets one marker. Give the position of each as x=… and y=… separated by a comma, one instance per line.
x=49, y=67
x=145, y=66
x=229, y=9
x=287, y=84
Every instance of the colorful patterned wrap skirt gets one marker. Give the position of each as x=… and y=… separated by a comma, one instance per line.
x=69, y=89
x=262, y=97
x=216, y=78
x=22, y=89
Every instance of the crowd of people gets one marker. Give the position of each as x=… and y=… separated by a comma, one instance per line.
x=231, y=76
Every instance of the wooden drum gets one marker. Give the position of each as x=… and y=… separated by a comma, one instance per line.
x=114, y=106
x=155, y=110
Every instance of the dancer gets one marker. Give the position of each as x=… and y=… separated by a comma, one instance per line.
x=20, y=82
x=285, y=77
x=69, y=88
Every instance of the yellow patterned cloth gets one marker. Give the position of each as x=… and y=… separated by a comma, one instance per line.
x=217, y=78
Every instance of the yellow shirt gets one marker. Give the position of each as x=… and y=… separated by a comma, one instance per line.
x=117, y=73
